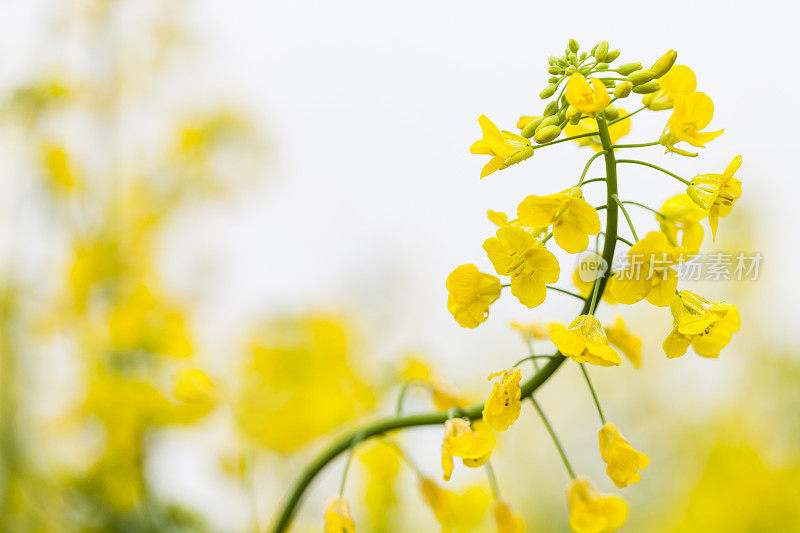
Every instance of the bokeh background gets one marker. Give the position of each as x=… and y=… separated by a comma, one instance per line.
x=274, y=193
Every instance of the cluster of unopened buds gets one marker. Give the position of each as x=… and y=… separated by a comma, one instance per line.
x=585, y=89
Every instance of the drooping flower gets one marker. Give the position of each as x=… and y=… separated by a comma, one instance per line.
x=507, y=521
x=621, y=337
x=470, y=293
x=503, y=405
x=588, y=99
x=506, y=148
x=192, y=385
x=592, y=512
x=592, y=266
x=692, y=113
x=472, y=442
x=584, y=341
x=679, y=81
x=616, y=131
x=455, y=512
x=518, y=254
x=680, y=214
x=622, y=460
x=649, y=273
x=573, y=219
x=716, y=193
x=337, y=517
x=707, y=327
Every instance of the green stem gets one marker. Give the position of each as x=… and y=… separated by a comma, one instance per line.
x=628, y=218
x=565, y=139
x=629, y=115
x=639, y=145
x=626, y=241
x=588, y=164
x=657, y=212
x=384, y=425
x=593, y=180
x=553, y=436
x=594, y=394
x=656, y=167
x=492, y=480
x=574, y=294
x=347, y=467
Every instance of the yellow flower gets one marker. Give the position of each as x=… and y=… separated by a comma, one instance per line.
x=716, y=193
x=470, y=293
x=681, y=214
x=533, y=330
x=679, y=81
x=623, y=462
x=707, y=327
x=584, y=341
x=517, y=253
x=503, y=405
x=473, y=443
x=506, y=148
x=592, y=512
x=617, y=130
x=500, y=219
x=192, y=385
x=649, y=273
x=588, y=270
x=692, y=113
x=382, y=465
x=629, y=344
x=337, y=517
x=572, y=218
x=444, y=397
x=588, y=99
x=506, y=520
x=59, y=168
x=455, y=512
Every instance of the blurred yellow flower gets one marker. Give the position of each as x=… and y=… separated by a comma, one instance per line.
x=444, y=397
x=382, y=464
x=517, y=253
x=716, y=193
x=337, y=517
x=621, y=337
x=470, y=292
x=679, y=81
x=571, y=217
x=623, y=462
x=616, y=131
x=584, y=341
x=59, y=168
x=506, y=148
x=472, y=442
x=455, y=512
x=680, y=214
x=503, y=405
x=532, y=330
x=588, y=99
x=192, y=385
x=649, y=273
x=692, y=113
x=506, y=520
x=591, y=512
x=707, y=327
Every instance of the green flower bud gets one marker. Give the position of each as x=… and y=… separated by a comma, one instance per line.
x=601, y=51
x=562, y=115
x=601, y=66
x=552, y=120
x=553, y=79
x=611, y=113
x=583, y=56
x=570, y=70
x=562, y=62
x=573, y=45
x=555, y=70
x=612, y=55
x=548, y=92
x=551, y=109
x=609, y=83
x=573, y=115
x=639, y=77
x=623, y=89
x=551, y=60
x=545, y=135
x=594, y=48
x=664, y=63
x=572, y=58
x=627, y=68
x=649, y=87
x=530, y=127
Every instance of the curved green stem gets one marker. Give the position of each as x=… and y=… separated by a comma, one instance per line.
x=384, y=425
x=628, y=218
x=629, y=115
x=594, y=393
x=638, y=145
x=574, y=294
x=588, y=164
x=656, y=167
x=656, y=211
x=553, y=436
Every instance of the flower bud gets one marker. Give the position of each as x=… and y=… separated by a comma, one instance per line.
x=601, y=66
x=562, y=62
x=530, y=128
x=548, y=92
x=612, y=55
x=623, y=89
x=609, y=84
x=547, y=121
x=570, y=70
x=551, y=60
x=601, y=51
x=553, y=79
x=664, y=63
x=555, y=70
x=573, y=45
x=562, y=115
x=545, y=135
x=573, y=115
x=627, y=68
x=551, y=109
x=611, y=113
x=646, y=88
x=583, y=55
x=639, y=77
